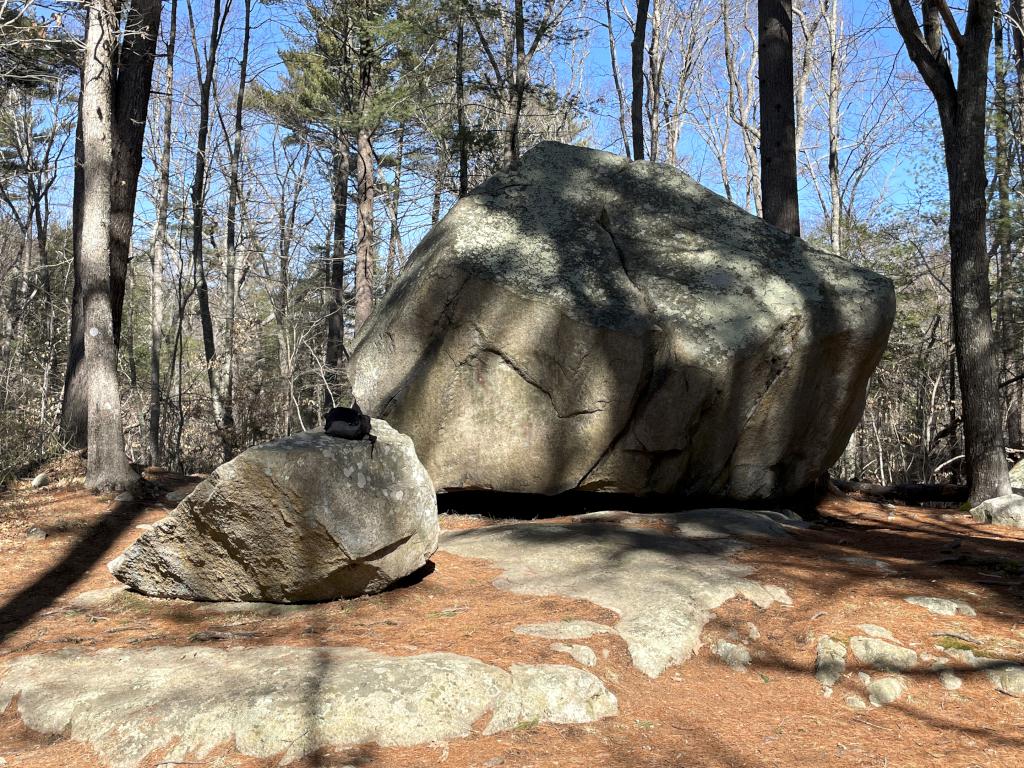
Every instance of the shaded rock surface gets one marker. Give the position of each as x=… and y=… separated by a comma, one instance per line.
x=283, y=700
x=662, y=585
x=830, y=661
x=308, y=517
x=587, y=322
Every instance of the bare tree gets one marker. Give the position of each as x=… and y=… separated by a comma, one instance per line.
x=960, y=100
x=156, y=255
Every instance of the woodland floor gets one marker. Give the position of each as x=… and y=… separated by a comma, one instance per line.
x=700, y=713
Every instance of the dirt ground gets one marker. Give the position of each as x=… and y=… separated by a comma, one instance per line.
x=698, y=714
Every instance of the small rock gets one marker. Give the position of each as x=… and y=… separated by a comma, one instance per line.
x=778, y=594
x=144, y=527
x=752, y=631
x=885, y=690
x=494, y=762
x=178, y=495
x=1008, y=679
x=864, y=677
x=39, y=481
x=869, y=562
x=125, y=496
x=949, y=681
x=581, y=653
x=36, y=533
x=96, y=598
x=855, y=702
x=735, y=656
x=941, y=606
x=1002, y=510
x=883, y=655
x=873, y=630
x=830, y=662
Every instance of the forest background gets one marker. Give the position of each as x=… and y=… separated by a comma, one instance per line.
x=296, y=152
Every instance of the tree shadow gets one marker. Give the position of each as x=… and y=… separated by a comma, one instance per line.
x=19, y=609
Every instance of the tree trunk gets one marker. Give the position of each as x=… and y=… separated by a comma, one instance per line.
x=394, y=262
x=334, y=359
x=156, y=311
x=460, y=99
x=637, y=61
x=131, y=104
x=619, y=95
x=108, y=467
x=198, y=196
x=518, y=85
x=834, y=94
x=131, y=77
x=74, y=410
x=961, y=107
x=778, y=124
x=972, y=319
x=231, y=246
x=364, y=228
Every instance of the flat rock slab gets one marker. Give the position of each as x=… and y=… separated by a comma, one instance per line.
x=942, y=606
x=282, y=700
x=564, y=630
x=883, y=655
x=662, y=585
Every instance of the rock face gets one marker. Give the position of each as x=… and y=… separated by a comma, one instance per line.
x=305, y=518
x=586, y=322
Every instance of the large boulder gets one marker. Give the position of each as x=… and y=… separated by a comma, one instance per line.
x=304, y=518
x=584, y=322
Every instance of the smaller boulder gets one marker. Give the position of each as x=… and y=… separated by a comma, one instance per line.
x=1017, y=474
x=1002, y=510
x=41, y=480
x=885, y=690
x=306, y=518
x=1008, y=679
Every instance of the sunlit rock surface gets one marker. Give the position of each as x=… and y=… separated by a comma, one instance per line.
x=304, y=518
x=586, y=322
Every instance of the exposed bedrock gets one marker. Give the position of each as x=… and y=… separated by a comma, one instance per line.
x=589, y=323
